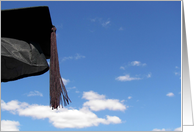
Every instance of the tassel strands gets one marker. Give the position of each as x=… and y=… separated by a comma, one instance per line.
x=57, y=88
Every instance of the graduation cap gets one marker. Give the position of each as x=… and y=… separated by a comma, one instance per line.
x=28, y=38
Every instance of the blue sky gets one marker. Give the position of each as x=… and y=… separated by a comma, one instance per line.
x=120, y=61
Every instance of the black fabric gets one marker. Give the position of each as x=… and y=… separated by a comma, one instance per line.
x=25, y=42
x=21, y=59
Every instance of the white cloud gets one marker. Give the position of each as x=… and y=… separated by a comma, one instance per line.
x=176, y=67
x=7, y=125
x=159, y=129
x=76, y=57
x=65, y=81
x=113, y=119
x=123, y=68
x=35, y=93
x=170, y=94
x=126, y=78
x=149, y=75
x=71, y=87
x=105, y=24
x=122, y=101
x=61, y=118
x=129, y=97
x=137, y=63
x=111, y=104
x=91, y=95
x=67, y=58
x=101, y=21
x=12, y=105
x=176, y=73
x=99, y=102
x=178, y=129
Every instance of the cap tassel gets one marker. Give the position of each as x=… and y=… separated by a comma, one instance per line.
x=56, y=83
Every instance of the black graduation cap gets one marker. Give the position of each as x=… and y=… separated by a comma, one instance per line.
x=28, y=38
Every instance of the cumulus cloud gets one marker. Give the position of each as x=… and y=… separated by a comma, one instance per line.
x=8, y=125
x=99, y=102
x=76, y=57
x=91, y=95
x=34, y=93
x=69, y=117
x=12, y=106
x=170, y=94
x=126, y=78
x=61, y=118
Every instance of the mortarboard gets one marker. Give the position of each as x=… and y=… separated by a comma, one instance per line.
x=28, y=38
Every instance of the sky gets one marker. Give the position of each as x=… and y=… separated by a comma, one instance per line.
x=121, y=65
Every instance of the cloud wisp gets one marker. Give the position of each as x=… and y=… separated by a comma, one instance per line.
x=69, y=117
x=137, y=63
x=103, y=23
x=149, y=75
x=129, y=97
x=133, y=63
x=170, y=94
x=163, y=129
x=177, y=73
x=65, y=81
x=76, y=57
x=122, y=67
x=35, y=93
x=127, y=78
